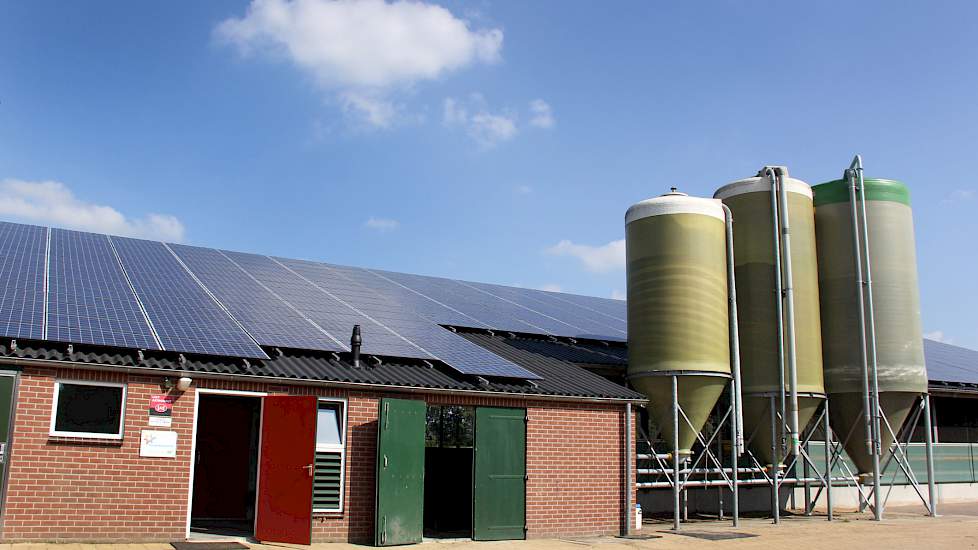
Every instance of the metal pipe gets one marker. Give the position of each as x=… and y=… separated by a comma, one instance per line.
x=841, y=481
x=828, y=459
x=858, y=264
x=737, y=401
x=663, y=456
x=629, y=465
x=871, y=340
x=775, y=497
x=929, y=443
x=699, y=471
x=789, y=312
x=734, y=454
x=779, y=293
x=675, y=453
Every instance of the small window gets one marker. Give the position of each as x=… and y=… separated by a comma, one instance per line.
x=88, y=409
x=328, y=481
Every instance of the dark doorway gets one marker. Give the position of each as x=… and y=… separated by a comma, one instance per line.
x=449, y=438
x=225, y=465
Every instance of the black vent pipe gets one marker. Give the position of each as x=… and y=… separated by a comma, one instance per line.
x=355, y=342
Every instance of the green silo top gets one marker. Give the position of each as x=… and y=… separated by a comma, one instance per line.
x=876, y=190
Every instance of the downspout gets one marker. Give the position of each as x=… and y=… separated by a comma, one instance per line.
x=737, y=401
x=789, y=310
x=629, y=465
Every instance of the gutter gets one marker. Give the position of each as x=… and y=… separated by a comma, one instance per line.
x=18, y=361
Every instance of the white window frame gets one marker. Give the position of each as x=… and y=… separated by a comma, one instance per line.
x=88, y=435
x=341, y=448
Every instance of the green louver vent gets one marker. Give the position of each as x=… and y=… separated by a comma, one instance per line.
x=326, y=483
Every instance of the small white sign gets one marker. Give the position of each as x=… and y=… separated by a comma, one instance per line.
x=160, y=421
x=156, y=443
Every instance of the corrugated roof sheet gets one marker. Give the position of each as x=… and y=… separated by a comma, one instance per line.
x=561, y=378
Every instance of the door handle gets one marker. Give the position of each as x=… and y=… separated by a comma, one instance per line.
x=309, y=468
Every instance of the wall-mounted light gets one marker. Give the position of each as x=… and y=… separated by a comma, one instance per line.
x=181, y=384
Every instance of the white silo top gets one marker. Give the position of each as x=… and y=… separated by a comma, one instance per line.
x=674, y=203
x=761, y=183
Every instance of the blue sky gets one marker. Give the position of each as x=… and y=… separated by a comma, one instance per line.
x=470, y=139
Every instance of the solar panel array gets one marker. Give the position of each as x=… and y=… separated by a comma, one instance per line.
x=86, y=288
x=89, y=298
x=22, y=253
x=185, y=317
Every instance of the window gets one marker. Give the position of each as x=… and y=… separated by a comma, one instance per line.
x=88, y=409
x=450, y=426
x=328, y=481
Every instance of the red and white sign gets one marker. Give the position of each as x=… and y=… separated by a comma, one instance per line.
x=161, y=405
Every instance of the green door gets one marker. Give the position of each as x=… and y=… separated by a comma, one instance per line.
x=400, y=472
x=499, y=509
x=7, y=380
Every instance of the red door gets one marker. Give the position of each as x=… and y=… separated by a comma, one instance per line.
x=288, y=450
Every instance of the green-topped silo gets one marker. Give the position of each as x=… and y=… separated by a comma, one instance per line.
x=750, y=203
x=677, y=308
x=901, y=373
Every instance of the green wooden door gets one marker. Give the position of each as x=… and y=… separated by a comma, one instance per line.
x=499, y=509
x=400, y=472
x=7, y=380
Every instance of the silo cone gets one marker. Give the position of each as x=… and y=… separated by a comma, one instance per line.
x=901, y=374
x=677, y=308
x=749, y=201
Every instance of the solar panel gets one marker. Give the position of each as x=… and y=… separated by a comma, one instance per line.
x=186, y=318
x=386, y=309
x=89, y=299
x=569, y=319
x=947, y=363
x=272, y=320
x=22, y=257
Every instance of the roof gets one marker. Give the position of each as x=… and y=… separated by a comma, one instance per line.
x=561, y=377
x=947, y=364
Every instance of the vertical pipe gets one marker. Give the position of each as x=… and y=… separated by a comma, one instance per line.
x=736, y=398
x=871, y=341
x=828, y=459
x=807, y=486
x=675, y=452
x=735, y=498
x=779, y=293
x=775, y=470
x=789, y=313
x=629, y=486
x=929, y=443
x=857, y=258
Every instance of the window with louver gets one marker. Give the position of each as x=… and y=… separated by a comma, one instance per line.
x=327, y=483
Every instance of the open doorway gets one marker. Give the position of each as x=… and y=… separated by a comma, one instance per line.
x=449, y=440
x=225, y=466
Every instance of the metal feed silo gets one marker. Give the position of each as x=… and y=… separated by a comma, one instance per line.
x=753, y=203
x=901, y=373
x=677, y=308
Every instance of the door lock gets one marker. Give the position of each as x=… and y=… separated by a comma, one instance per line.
x=309, y=468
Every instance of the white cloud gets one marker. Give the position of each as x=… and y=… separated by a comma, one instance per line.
x=599, y=259
x=523, y=190
x=551, y=287
x=938, y=336
x=382, y=225
x=362, y=50
x=541, y=115
x=617, y=295
x=486, y=128
x=53, y=203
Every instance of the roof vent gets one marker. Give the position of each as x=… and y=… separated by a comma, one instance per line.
x=355, y=342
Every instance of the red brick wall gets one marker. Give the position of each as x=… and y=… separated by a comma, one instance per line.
x=66, y=489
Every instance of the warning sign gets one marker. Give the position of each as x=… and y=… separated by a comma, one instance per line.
x=161, y=405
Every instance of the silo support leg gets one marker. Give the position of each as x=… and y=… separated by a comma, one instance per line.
x=929, y=442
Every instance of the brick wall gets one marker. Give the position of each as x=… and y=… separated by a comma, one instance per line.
x=64, y=489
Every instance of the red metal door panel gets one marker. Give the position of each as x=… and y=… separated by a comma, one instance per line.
x=288, y=449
